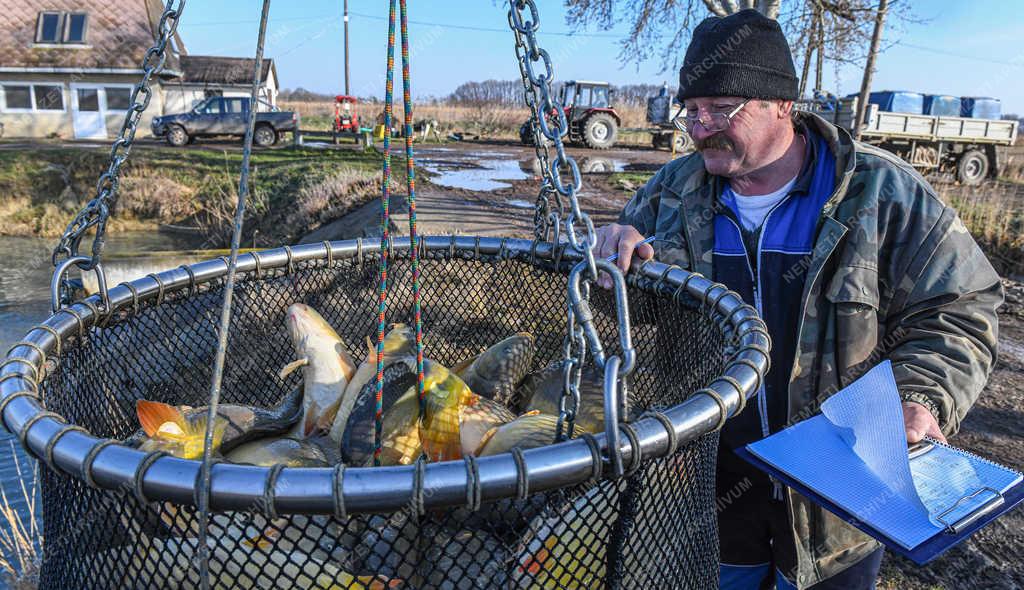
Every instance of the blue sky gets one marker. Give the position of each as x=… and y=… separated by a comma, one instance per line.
x=963, y=48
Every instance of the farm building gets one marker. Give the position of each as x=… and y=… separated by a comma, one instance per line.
x=67, y=68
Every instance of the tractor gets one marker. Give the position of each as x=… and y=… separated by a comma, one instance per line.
x=592, y=120
x=345, y=118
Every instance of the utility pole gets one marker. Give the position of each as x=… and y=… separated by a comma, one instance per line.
x=346, y=47
x=869, y=68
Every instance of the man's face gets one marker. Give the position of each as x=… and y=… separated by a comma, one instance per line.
x=751, y=139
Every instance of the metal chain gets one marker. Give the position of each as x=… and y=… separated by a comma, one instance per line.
x=543, y=223
x=97, y=211
x=548, y=122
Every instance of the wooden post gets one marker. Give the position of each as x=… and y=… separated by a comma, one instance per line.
x=812, y=38
x=869, y=68
x=346, y=47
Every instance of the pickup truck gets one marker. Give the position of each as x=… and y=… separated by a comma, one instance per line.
x=962, y=146
x=220, y=115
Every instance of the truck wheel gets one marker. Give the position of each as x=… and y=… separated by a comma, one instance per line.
x=600, y=131
x=177, y=136
x=264, y=136
x=972, y=169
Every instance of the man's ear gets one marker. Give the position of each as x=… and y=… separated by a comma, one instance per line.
x=785, y=109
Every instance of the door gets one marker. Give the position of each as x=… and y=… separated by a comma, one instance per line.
x=234, y=118
x=208, y=117
x=87, y=113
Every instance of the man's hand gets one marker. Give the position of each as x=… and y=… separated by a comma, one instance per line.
x=623, y=240
x=920, y=422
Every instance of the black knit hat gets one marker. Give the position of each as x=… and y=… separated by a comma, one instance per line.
x=743, y=54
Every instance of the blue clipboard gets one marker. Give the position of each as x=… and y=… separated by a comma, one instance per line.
x=923, y=553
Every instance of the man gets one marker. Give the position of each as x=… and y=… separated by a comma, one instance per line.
x=850, y=259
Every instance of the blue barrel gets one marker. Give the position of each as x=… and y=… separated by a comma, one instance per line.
x=941, y=105
x=980, y=107
x=898, y=101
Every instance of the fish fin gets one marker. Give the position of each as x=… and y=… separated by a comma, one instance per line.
x=484, y=440
x=292, y=367
x=152, y=415
x=348, y=368
x=310, y=424
x=464, y=366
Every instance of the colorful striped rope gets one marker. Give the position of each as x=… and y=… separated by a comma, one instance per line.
x=385, y=205
x=385, y=202
x=411, y=175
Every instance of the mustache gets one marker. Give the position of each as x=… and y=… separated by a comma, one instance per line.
x=714, y=142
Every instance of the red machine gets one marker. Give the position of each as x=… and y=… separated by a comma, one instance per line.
x=345, y=117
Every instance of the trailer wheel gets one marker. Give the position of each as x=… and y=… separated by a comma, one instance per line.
x=600, y=131
x=972, y=169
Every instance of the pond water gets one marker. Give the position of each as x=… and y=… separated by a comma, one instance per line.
x=25, y=271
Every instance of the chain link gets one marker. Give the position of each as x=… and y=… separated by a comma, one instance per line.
x=548, y=124
x=97, y=211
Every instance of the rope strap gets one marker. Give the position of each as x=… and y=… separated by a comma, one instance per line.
x=522, y=475
x=636, y=458
x=140, y=473
x=666, y=422
x=268, y=491
x=26, y=362
x=160, y=287
x=339, y=494
x=473, y=491
x=48, y=451
x=595, y=456
x=23, y=433
x=78, y=318
x=723, y=410
x=739, y=390
x=13, y=396
x=90, y=458
x=418, y=475
x=52, y=332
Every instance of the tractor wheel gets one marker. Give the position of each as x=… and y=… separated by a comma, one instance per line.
x=177, y=136
x=972, y=169
x=600, y=131
x=684, y=143
x=526, y=134
x=264, y=136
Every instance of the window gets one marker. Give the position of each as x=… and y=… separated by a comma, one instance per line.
x=48, y=27
x=74, y=28
x=118, y=99
x=62, y=27
x=48, y=97
x=234, y=105
x=212, y=107
x=18, y=97
x=599, y=98
x=88, y=100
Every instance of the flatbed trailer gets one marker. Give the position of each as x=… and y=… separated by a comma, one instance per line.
x=962, y=146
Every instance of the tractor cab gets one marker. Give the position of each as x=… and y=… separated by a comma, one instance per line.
x=588, y=109
x=592, y=120
x=345, y=117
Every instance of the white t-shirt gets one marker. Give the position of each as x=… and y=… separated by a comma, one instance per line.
x=752, y=209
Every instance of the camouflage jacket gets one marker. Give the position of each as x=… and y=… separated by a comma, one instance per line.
x=893, y=274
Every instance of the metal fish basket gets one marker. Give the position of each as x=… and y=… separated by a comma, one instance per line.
x=552, y=517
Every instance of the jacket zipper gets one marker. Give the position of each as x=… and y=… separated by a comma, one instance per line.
x=755, y=277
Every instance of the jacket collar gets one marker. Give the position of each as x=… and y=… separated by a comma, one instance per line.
x=698, y=191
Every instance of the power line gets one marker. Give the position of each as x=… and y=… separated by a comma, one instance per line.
x=488, y=29
x=961, y=55
x=415, y=22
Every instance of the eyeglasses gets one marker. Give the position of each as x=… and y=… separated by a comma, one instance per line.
x=714, y=122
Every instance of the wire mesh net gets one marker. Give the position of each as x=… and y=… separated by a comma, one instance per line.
x=653, y=528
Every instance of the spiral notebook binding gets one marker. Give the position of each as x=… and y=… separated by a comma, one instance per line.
x=969, y=454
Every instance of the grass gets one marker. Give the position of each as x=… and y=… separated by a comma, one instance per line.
x=44, y=187
x=21, y=536
x=484, y=121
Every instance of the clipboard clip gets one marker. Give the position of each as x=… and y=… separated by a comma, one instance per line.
x=995, y=502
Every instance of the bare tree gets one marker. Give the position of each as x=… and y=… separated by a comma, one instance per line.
x=836, y=31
